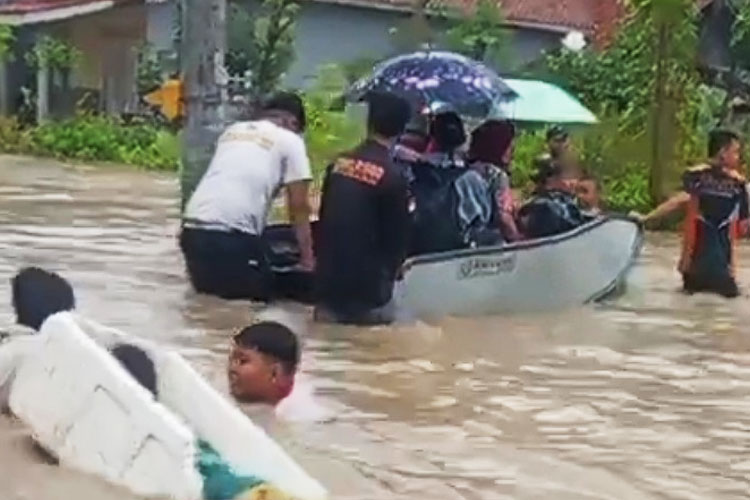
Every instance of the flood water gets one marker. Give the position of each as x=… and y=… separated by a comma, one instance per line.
x=647, y=397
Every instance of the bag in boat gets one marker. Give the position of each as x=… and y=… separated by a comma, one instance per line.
x=435, y=220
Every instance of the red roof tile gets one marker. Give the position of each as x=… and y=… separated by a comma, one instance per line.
x=32, y=6
x=581, y=14
x=572, y=14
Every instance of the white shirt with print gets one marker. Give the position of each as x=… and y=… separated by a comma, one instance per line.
x=253, y=161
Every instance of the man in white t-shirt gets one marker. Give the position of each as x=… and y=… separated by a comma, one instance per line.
x=226, y=216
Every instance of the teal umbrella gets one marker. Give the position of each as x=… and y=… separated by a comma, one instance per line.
x=542, y=102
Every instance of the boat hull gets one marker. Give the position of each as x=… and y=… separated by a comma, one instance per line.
x=567, y=270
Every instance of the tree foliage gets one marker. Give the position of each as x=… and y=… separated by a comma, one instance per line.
x=481, y=35
x=53, y=53
x=262, y=45
x=647, y=78
x=740, y=41
x=149, y=74
x=7, y=40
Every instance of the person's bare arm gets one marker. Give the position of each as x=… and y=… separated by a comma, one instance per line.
x=510, y=229
x=675, y=203
x=298, y=205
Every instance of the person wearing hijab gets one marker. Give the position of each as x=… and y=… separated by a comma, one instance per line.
x=487, y=201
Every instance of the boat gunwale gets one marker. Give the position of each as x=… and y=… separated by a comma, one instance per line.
x=524, y=245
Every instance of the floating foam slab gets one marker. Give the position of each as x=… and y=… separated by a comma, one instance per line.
x=84, y=408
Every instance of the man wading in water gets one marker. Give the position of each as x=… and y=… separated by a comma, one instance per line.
x=715, y=196
x=225, y=218
x=364, y=222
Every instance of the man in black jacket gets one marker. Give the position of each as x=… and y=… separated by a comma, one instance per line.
x=364, y=223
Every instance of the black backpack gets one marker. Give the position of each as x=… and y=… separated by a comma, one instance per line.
x=435, y=225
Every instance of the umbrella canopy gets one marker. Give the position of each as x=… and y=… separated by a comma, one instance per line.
x=542, y=102
x=426, y=78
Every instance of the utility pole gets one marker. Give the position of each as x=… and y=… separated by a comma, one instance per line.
x=202, y=55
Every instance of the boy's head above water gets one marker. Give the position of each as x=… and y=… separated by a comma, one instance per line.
x=263, y=363
x=38, y=294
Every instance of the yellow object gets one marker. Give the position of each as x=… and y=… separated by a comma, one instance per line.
x=263, y=492
x=169, y=99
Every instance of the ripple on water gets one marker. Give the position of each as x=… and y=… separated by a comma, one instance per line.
x=645, y=397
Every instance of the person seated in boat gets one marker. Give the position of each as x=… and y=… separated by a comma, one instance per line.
x=588, y=192
x=715, y=197
x=364, y=222
x=225, y=218
x=558, y=142
x=413, y=142
x=263, y=363
x=485, y=202
x=560, y=148
x=447, y=135
x=434, y=225
x=36, y=294
x=553, y=208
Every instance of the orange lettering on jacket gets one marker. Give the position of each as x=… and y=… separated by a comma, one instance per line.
x=362, y=171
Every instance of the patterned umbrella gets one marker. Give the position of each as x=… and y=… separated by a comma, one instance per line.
x=426, y=78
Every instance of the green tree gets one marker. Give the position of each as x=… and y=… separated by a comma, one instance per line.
x=240, y=40
x=53, y=53
x=7, y=40
x=414, y=32
x=149, y=73
x=273, y=47
x=740, y=42
x=647, y=76
x=261, y=45
x=481, y=35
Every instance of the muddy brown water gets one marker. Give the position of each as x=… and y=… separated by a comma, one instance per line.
x=647, y=397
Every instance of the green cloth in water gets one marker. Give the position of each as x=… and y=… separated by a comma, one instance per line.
x=220, y=482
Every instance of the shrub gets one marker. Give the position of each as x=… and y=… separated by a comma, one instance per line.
x=331, y=129
x=90, y=137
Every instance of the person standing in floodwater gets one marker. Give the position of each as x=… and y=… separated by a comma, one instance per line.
x=225, y=218
x=364, y=222
x=716, y=199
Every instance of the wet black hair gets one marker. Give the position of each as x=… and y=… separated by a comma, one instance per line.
x=447, y=129
x=387, y=114
x=288, y=102
x=272, y=339
x=38, y=294
x=140, y=366
x=557, y=132
x=720, y=138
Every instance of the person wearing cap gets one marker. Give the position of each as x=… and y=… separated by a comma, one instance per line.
x=364, y=221
x=225, y=218
x=485, y=199
x=558, y=142
x=553, y=209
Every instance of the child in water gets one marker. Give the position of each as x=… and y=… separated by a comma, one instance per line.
x=263, y=363
x=36, y=295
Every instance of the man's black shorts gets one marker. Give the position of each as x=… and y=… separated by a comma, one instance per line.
x=235, y=265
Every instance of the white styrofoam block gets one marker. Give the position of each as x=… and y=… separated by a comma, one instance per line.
x=245, y=446
x=88, y=411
